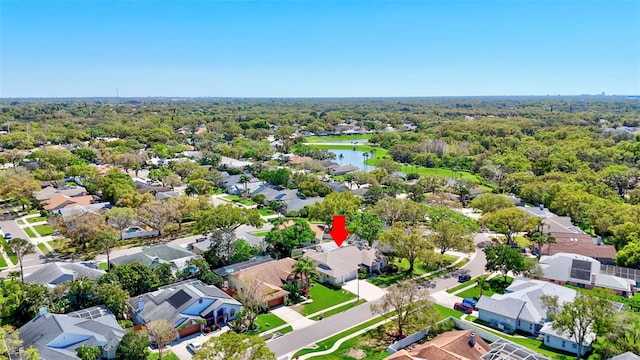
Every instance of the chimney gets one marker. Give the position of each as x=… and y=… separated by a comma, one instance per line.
x=472, y=339
x=140, y=304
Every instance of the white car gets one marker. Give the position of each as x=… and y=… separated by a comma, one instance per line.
x=194, y=346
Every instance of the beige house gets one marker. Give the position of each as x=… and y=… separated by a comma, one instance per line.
x=270, y=276
x=339, y=265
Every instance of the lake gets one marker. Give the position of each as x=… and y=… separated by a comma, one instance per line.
x=351, y=157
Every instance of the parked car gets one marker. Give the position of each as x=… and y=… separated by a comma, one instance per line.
x=470, y=302
x=465, y=308
x=7, y=236
x=194, y=346
x=464, y=278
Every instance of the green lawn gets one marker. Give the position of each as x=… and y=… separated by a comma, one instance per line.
x=260, y=233
x=3, y=262
x=495, y=285
x=44, y=230
x=103, y=266
x=315, y=139
x=266, y=212
x=8, y=251
x=419, y=268
x=29, y=232
x=44, y=249
x=36, y=219
x=268, y=321
x=445, y=312
x=323, y=297
x=166, y=355
x=523, y=241
x=340, y=309
x=465, y=284
x=238, y=199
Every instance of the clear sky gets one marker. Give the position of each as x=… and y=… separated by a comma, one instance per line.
x=318, y=48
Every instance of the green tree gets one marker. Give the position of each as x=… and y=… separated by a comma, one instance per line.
x=392, y=210
x=503, y=258
x=115, y=184
x=232, y=346
x=107, y=240
x=278, y=177
x=629, y=255
x=134, y=278
x=448, y=235
x=344, y=203
x=373, y=195
x=161, y=333
x=85, y=352
x=412, y=305
x=366, y=225
x=618, y=177
x=20, y=248
x=389, y=165
x=220, y=223
x=284, y=240
x=407, y=243
x=585, y=315
x=305, y=269
x=82, y=228
x=133, y=346
x=509, y=221
x=164, y=273
x=491, y=202
x=199, y=187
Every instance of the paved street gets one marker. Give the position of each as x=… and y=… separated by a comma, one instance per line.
x=285, y=345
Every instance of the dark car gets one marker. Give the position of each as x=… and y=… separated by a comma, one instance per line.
x=464, y=278
x=7, y=236
x=464, y=307
x=470, y=302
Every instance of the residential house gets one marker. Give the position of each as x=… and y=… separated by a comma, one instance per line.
x=78, y=210
x=50, y=191
x=235, y=163
x=158, y=254
x=61, y=201
x=339, y=265
x=520, y=308
x=188, y=304
x=297, y=160
x=343, y=169
x=271, y=277
x=552, y=223
x=233, y=186
x=451, y=345
x=230, y=269
x=564, y=341
x=57, y=336
x=583, y=271
x=55, y=273
x=581, y=244
x=297, y=204
x=253, y=240
x=626, y=356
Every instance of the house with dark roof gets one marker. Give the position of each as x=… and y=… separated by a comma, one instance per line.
x=233, y=186
x=57, y=336
x=579, y=270
x=230, y=269
x=55, y=273
x=158, y=254
x=188, y=304
x=451, y=345
x=271, y=277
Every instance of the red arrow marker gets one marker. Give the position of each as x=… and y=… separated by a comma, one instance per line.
x=338, y=231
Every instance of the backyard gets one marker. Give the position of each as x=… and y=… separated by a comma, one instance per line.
x=323, y=297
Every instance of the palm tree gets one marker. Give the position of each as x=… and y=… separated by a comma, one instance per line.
x=244, y=179
x=365, y=156
x=341, y=157
x=305, y=268
x=20, y=248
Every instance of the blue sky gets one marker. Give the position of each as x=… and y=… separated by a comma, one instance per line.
x=318, y=49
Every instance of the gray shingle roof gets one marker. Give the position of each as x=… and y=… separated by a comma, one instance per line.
x=510, y=308
x=57, y=336
x=165, y=253
x=58, y=272
x=626, y=356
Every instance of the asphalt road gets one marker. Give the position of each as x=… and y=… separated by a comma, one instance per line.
x=298, y=339
x=31, y=261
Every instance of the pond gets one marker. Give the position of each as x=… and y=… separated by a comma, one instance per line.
x=351, y=157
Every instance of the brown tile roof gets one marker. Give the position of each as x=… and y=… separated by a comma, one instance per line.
x=581, y=244
x=316, y=229
x=271, y=276
x=63, y=201
x=451, y=345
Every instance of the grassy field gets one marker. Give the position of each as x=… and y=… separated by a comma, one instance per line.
x=260, y=233
x=268, y=321
x=495, y=285
x=419, y=269
x=36, y=219
x=266, y=212
x=315, y=139
x=44, y=249
x=3, y=262
x=323, y=297
x=8, y=251
x=44, y=230
x=166, y=355
x=340, y=309
x=465, y=284
x=29, y=232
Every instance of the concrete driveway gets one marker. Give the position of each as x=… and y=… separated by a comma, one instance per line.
x=292, y=317
x=367, y=290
